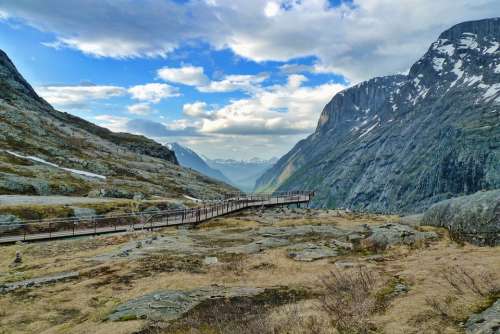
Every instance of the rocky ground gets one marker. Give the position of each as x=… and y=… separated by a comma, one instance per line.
x=275, y=271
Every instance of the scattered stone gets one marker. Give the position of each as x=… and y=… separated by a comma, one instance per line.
x=210, y=260
x=376, y=258
x=18, y=259
x=172, y=304
x=344, y=265
x=8, y=287
x=400, y=288
x=138, y=244
x=486, y=322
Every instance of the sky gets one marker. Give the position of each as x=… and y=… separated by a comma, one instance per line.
x=228, y=78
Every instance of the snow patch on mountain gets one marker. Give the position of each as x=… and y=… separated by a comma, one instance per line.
x=71, y=170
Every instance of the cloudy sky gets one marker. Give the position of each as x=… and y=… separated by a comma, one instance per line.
x=229, y=78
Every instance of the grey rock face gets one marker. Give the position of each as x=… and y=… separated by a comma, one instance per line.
x=474, y=218
x=171, y=305
x=402, y=143
x=487, y=322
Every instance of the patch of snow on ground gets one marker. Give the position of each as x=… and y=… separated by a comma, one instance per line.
x=492, y=91
x=468, y=42
x=474, y=79
x=447, y=49
x=457, y=69
x=368, y=130
x=493, y=48
x=74, y=171
x=497, y=69
x=437, y=63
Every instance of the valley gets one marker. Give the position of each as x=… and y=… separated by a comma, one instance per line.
x=384, y=219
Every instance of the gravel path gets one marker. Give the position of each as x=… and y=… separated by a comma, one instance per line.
x=50, y=200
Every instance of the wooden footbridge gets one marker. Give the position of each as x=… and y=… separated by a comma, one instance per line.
x=48, y=229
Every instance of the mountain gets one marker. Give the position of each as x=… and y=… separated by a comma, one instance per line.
x=46, y=152
x=400, y=143
x=243, y=174
x=189, y=158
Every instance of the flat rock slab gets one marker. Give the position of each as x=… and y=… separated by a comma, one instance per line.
x=486, y=322
x=8, y=287
x=212, y=241
x=172, y=304
x=309, y=252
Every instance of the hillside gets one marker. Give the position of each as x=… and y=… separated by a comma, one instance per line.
x=190, y=159
x=47, y=152
x=400, y=143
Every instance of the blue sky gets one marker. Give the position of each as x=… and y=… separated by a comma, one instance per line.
x=230, y=79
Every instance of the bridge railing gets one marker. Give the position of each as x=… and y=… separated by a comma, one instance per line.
x=98, y=224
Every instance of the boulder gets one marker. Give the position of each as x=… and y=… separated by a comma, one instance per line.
x=474, y=218
x=486, y=322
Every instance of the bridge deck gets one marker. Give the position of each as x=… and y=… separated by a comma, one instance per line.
x=89, y=226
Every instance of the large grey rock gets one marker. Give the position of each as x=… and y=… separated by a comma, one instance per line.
x=474, y=218
x=8, y=287
x=172, y=304
x=487, y=322
x=9, y=222
x=385, y=235
x=401, y=143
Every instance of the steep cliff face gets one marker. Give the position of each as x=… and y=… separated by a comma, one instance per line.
x=400, y=143
x=44, y=151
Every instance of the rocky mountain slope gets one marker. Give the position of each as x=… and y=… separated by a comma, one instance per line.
x=189, y=158
x=243, y=174
x=400, y=143
x=46, y=152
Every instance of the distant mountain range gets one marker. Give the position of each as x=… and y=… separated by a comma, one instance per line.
x=47, y=152
x=189, y=158
x=241, y=174
x=400, y=143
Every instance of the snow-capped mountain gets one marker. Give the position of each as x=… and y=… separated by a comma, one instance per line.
x=242, y=173
x=399, y=143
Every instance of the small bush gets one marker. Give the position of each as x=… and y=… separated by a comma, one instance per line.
x=350, y=300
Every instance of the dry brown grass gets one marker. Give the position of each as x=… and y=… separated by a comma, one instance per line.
x=79, y=306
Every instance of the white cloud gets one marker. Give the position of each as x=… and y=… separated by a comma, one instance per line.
x=68, y=96
x=196, y=109
x=114, y=123
x=280, y=110
x=355, y=39
x=234, y=82
x=152, y=92
x=272, y=9
x=141, y=109
x=187, y=75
